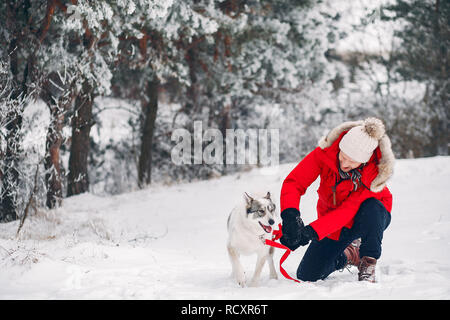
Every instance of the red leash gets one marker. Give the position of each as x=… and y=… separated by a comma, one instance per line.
x=277, y=235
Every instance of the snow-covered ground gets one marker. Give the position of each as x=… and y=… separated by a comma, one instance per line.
x=168, y=242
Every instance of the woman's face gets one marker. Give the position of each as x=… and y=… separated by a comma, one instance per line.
x=346, y=163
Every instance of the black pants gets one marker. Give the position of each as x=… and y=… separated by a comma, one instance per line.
x=326, y=256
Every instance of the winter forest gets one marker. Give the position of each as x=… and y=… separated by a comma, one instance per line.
x=91, y=92
x=68, y=68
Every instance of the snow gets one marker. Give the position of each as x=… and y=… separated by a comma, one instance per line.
x=168, y=242
x=375, y=37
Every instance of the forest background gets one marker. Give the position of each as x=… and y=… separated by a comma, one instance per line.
x=91, y=91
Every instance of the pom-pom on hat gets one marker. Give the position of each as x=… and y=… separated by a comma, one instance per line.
x=360, y=141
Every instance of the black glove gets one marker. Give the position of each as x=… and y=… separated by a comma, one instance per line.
x=295, y=234
x=307, y=234
x=291, y=228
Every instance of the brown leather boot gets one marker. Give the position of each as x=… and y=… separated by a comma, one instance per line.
x=367, y=269
x=352, y=253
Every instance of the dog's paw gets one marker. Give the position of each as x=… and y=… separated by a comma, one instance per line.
x=240, y=279
x=273, y=276
x=254, y=283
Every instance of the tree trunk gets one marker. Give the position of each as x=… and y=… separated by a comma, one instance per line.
x=224, y=123
x=149, y=110
x=51, y=162
x=192, y=92
x=10, y=174
x=53, y=95
x=78, y=179
x=9, y=170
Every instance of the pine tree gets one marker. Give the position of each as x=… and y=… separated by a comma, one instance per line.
x=423, y=56
x=23, y=26
x=157, y=44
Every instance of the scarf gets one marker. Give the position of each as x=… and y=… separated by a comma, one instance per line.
x=354, y=175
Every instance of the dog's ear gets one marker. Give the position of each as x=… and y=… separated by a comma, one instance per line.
x=267, y=196
x=247, y=198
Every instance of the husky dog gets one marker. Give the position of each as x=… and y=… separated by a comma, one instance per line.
x=249, y=225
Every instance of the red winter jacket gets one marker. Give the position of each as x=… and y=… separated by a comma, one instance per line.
x=323, y=161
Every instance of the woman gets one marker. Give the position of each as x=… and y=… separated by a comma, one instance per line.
x=354, y=162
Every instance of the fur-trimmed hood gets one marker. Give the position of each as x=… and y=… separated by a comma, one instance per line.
x=386, y=162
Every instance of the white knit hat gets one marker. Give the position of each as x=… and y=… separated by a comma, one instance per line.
x=360, y=141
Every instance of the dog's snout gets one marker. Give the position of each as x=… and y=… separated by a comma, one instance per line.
x=271, y=222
